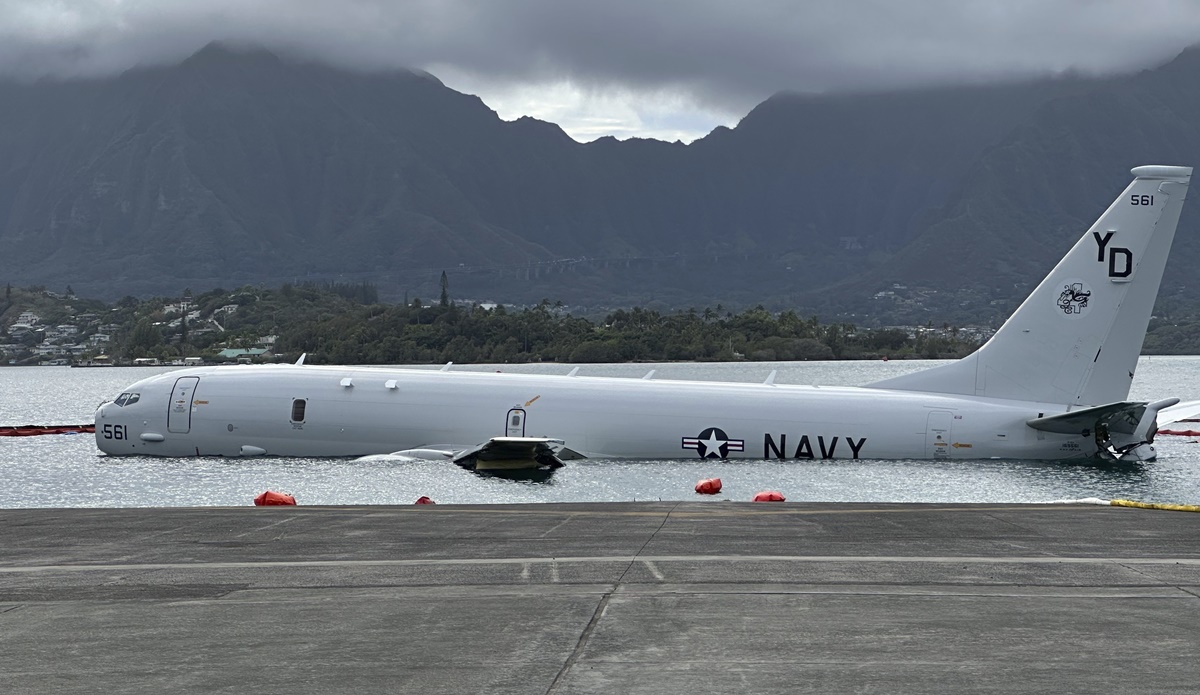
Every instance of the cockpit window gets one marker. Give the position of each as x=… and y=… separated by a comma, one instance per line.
x=127, y=399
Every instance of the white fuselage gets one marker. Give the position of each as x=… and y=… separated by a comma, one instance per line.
x=355, y=411
x=1072, y=345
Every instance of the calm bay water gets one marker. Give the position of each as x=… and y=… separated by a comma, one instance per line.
x=68, y=470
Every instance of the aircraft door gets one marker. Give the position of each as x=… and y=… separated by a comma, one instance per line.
x=179, y=413
x=937, y=434
x=516, y=423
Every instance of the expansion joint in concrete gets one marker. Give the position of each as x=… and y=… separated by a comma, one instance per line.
x=584, y=637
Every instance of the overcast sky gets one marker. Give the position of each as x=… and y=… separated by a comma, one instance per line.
x=671, y=69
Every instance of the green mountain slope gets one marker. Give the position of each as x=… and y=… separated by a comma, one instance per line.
x=242, y=167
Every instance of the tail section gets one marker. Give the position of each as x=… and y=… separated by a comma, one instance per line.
x=1076, y=339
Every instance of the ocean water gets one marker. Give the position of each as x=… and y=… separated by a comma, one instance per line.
x=68, y=470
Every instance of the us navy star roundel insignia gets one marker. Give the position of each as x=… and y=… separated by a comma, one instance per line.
x=713, y=443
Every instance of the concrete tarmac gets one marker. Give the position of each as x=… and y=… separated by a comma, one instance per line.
x=690, y=597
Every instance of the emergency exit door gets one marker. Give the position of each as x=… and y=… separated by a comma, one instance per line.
x=179, y=413
x=516, y=423
x=937, y=434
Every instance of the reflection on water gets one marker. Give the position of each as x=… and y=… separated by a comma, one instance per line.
x=68, y=471
x=541, y=476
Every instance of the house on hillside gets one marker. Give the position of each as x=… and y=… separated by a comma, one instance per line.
x=244, y=354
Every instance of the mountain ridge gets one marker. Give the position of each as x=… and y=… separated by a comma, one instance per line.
x=243, y=167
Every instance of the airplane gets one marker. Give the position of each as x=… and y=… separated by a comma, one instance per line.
x=1051, y=384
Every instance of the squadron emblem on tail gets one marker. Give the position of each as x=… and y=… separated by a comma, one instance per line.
x=1074, y=298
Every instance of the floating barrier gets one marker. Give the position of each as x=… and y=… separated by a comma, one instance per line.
x=424, y=500
x=274, y=499
x=1131, y=503
x=1181, y=433
x=709, y=486
x=769, y=496
x=34, y=430
x=1153, y=505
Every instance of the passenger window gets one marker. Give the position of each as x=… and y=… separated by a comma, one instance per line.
x=298, y=410
x=133, y=398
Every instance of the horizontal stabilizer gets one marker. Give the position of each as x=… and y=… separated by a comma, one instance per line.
x=1078, y=421
x=1186, y=411
x=1123, y=417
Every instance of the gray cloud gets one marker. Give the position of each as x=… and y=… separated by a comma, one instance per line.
x=724, y=55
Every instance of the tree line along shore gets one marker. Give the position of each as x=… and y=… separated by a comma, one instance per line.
x=347, y=324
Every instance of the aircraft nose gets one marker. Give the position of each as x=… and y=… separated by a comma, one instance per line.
x=113, y=429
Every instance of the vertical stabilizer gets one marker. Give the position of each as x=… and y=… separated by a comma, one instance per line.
x=1075, y=340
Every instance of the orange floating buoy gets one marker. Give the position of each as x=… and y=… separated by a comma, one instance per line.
x=424, y=500
x=768, y=496
x=709, y=486
x=272, y=499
